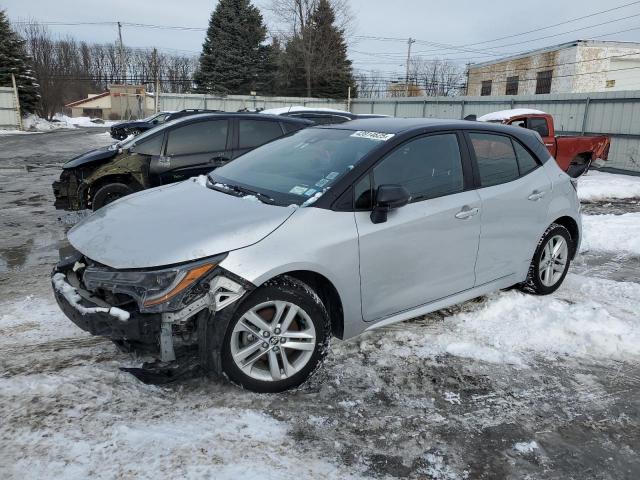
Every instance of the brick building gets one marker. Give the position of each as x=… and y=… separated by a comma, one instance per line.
x=574, y=67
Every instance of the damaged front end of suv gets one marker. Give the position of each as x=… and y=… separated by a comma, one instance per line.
x=167, y=313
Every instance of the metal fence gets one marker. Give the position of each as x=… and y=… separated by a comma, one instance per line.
x=8, y=114
x=616, y=114
x=232, y=103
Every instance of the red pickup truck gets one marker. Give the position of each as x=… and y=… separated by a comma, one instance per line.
x=574, y=154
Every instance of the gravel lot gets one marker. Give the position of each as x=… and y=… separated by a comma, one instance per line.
x=505, y=386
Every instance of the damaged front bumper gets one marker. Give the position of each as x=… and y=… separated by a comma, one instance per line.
x=159, y=334
x=66, y=192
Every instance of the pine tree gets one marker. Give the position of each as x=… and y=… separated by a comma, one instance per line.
x=316, y=61
x=334, y=73
x=14, y=59
x=233, y=55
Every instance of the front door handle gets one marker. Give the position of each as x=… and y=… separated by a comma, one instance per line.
x=536, y=195
x=467, y=212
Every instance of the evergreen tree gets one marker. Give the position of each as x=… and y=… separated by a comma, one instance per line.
x=233, y=55
x=14, y=59
x=316, y=62
x=334, y=69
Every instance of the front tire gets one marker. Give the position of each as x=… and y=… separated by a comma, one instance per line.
x=277, y=338
x=550, y=261
x=110, y=193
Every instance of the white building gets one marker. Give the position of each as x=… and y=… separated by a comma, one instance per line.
x=574, y=67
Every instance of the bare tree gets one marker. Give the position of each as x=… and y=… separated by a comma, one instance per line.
x=436, y=77
x=67, y=70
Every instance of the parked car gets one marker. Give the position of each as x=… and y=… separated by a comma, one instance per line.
x=330, y=231
x=319, y=116
x=122, y=130
x=168, y=153
x=574, y=153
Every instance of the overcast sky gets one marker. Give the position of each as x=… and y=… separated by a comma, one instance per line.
x=457, y=23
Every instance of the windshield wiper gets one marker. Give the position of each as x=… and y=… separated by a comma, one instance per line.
x=245, y=191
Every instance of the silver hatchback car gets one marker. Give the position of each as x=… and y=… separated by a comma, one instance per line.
x=330, y=231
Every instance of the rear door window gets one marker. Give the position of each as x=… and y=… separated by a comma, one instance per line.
x=526, y=161
x=254, y=133
x=428, y=167
x=497, y=162
x=201, y=137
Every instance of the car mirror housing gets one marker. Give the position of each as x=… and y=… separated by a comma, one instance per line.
x=388, y=197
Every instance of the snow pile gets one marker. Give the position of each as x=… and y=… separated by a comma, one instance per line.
x=72, y=122
x=35, y=123
x=595, y=186
x=526, y=447
x=503, y=115
x=611, y=233
x=512, y=327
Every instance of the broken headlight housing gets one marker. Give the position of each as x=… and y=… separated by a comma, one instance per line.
x=162, y=290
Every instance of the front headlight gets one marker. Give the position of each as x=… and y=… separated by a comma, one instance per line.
x=154, y=290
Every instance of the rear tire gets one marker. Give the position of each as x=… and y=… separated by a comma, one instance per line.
x=254, y=354
x=110, y=193
x=550, y=261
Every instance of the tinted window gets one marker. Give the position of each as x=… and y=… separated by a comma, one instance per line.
x=538, y=125
x=362, y=193
x=526, y=162
x=198, y=137
x=428, y=167
x=292, y=127
x=150, y=146
x=254, y=133
x=496, y=159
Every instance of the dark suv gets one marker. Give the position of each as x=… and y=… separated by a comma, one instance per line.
x=122, y=130
x=168, y=153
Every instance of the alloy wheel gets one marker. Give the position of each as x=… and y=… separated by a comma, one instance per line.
x=273, y=341
x=553, y=260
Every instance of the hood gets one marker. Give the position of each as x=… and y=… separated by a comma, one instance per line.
x=97, y=155
x=133, y=123
x=174, y=224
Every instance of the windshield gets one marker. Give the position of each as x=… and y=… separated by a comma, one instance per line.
x=299, y=168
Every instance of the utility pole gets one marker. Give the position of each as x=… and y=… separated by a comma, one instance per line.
x=406, y=79
x=157, y=80
x=17, y=100
x=121, y=54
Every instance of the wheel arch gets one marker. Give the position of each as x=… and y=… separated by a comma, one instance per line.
x=327, y=292
x=571, y=225
x=91, y=188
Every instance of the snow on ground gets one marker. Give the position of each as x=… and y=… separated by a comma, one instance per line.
x=513, y=327
x=611, y=233
x=34, y=124
x=596, y=186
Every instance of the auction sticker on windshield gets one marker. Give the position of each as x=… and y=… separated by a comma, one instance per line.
x=383, y=137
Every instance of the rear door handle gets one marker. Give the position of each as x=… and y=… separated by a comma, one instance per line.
x=536, y=195
x=467, y=212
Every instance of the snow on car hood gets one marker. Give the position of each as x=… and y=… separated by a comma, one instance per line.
x=173, y=224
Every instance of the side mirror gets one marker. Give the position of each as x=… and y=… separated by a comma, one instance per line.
x=388, y=197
